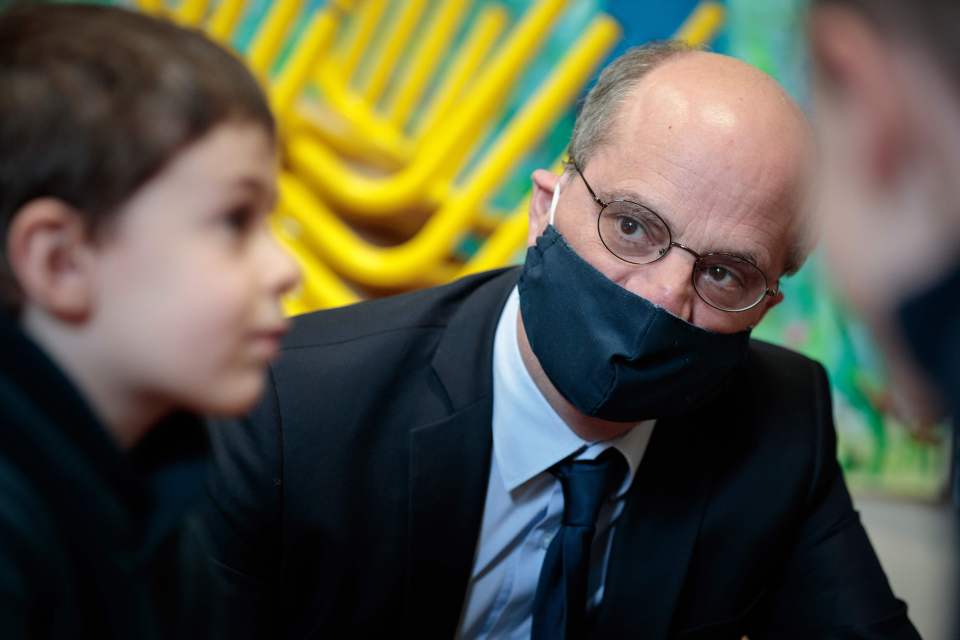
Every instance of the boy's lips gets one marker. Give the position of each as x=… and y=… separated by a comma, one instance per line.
x=276, y=331
x=268, y=339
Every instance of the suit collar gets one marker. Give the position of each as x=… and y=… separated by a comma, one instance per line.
x=528, y=435
x=449, y=468
x=464, y=356
x=450, y=461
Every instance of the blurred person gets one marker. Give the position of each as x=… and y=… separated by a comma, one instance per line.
x=139, y=285
x=887, y=105
x=589, y=445
x=887, y=100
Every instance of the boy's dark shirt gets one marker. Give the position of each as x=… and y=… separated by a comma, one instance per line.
x=93, y=541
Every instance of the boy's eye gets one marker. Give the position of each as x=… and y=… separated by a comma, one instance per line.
x=240, y=218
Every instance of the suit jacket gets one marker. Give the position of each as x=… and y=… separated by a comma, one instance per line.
x=92, y=542
x=350, y=502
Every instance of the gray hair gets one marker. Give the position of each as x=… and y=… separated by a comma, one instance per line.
x=602, y=104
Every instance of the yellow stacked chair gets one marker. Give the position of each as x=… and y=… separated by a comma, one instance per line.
x=394, y=131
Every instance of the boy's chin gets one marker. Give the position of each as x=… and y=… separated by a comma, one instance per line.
x=230, y=398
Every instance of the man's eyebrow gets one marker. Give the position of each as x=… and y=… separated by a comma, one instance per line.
x=748, y=256
x=609, y=195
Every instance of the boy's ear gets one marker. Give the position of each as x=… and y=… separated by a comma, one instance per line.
x=49, y=253
x=544, y=183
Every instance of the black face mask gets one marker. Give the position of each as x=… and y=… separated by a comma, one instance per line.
x=930, y=323
x=610, y=353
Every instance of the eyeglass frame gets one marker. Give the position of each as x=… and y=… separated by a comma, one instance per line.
x=767, y=291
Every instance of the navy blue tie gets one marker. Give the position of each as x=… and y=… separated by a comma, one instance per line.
x=559, y=606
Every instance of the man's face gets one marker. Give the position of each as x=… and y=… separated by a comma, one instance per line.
x=721, y=182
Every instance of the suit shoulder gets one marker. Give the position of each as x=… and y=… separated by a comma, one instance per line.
x=789, y=390
x=25, y=524
x=780, y=365
x=779, y=423
x=429, y=308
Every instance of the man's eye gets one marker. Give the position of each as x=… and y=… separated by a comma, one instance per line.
x=630, y=226
x=718, y=274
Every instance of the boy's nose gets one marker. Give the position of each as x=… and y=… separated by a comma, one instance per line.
x=284, y=270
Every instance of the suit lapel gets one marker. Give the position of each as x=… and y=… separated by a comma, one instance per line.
x=656, y=535
x=450, y=464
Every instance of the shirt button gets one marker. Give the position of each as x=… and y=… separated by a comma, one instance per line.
x=545, y=540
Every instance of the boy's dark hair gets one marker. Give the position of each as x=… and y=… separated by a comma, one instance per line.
x=95, y=100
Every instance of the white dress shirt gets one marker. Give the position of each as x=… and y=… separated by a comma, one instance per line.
x=524, y=503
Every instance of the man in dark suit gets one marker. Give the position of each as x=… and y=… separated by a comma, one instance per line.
x=587, y=446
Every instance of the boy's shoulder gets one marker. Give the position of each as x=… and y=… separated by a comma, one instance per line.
x=33, y=557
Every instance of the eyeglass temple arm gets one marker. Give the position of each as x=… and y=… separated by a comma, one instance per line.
x=573, y=163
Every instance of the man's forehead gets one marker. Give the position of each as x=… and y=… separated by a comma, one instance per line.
x=712, y=103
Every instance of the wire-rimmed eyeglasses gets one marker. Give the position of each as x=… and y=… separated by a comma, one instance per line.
x=636, y=234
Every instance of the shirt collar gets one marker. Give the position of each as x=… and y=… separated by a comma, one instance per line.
x=529, y=436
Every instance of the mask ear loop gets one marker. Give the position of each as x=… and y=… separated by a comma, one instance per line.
x=553, y=203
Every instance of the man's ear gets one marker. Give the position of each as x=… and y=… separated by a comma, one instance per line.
x=544, y=184
x=856, y=69
x=773, y=301
x=49, y=253
x=769, y=302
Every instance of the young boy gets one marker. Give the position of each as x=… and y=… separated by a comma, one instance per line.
x=139, y=283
